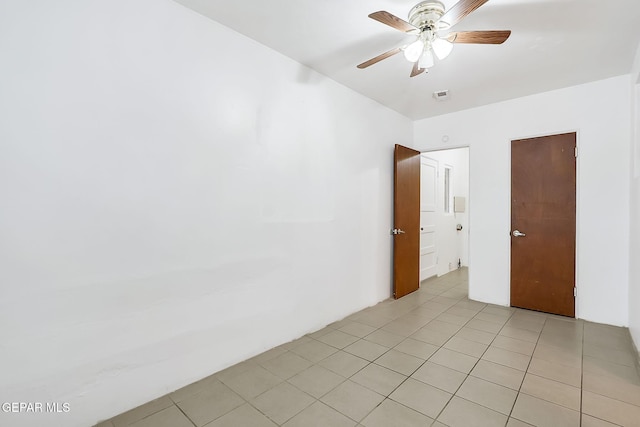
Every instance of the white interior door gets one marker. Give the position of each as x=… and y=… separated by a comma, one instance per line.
x=428, y=217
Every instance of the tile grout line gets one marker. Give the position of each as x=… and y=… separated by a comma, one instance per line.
x=475, y=364
x=527, y=370
x=406, y=377
x=186, y=416
x=422, y=364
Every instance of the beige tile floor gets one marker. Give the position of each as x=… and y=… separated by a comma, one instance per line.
x=432, y=358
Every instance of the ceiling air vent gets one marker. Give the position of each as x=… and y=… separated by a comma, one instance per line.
x=441, y=95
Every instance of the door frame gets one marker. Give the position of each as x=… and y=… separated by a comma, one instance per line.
x=577, y=249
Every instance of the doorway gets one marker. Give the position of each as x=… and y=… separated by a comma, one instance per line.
x=543, y=223
x=444, y=224
x=436, y=243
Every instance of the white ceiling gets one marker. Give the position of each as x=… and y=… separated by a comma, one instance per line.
x=554, y=44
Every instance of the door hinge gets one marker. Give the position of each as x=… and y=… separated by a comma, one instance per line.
x=575, y=151
x=575, y=292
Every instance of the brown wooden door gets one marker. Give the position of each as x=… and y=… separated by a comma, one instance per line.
x=543, y=209
x=406, y=219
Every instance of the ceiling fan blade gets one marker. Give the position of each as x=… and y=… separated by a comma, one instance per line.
x=416, y=70
x=379, y=58
x=460, y=10
x=479, y=37
x=393, y=21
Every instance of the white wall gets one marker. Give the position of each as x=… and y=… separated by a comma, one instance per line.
x=599, y=112
x=171, y=196
x=634, y=254
x=452, y=245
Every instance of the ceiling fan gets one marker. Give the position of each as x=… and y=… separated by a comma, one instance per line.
x=427, y=20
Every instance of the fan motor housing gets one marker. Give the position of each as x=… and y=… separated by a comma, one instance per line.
x=427, y=14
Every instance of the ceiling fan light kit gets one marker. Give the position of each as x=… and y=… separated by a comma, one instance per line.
x=426, y=20
x=426, y=17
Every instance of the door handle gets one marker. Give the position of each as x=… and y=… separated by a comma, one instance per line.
x=397, y=231
x=517, y=233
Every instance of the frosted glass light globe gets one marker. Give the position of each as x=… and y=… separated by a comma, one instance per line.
x=413, y=51
x=442, y=48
